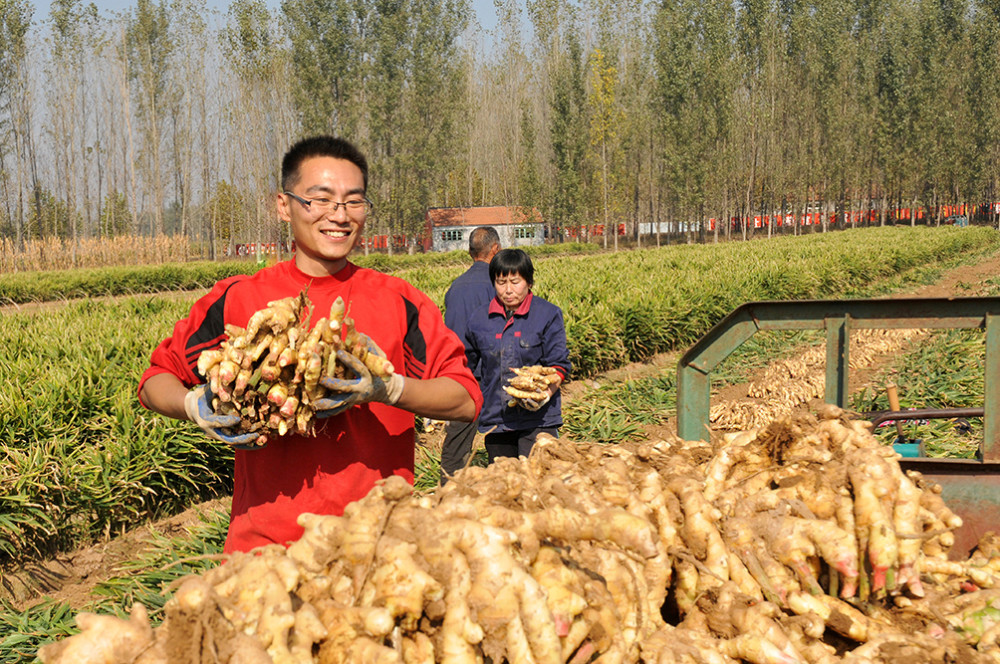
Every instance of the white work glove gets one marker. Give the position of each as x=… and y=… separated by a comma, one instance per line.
x=366, y=388
x=533, y=404
x=198, y=406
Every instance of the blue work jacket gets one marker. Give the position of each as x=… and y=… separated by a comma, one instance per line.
x=534, y=334
x=471, y=290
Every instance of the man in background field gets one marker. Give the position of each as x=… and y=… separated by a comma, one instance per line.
x=471, y=290
x=361, y=437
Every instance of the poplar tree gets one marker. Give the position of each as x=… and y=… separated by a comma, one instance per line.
x=63, y=101
x=508, y=77
x=695, y=82
x=758, y=39
x=568, y=133
x=549, y=21
x=984, y=98
x=529, y=179
x=192, y=107
x=420, y=71
x=894, y=111
x=327, y=52
x=605, y=116
x=17, y=158
x=638, y=138
x=385, y=89
x=262, y=99
x=150, y=46
x=944, y=117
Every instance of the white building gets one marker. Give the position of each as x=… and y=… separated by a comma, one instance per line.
x=449, y=228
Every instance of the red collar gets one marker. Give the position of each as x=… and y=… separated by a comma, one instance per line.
x=522, y=310
x=343, y=274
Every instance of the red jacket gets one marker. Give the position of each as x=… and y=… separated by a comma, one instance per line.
x=351, y=451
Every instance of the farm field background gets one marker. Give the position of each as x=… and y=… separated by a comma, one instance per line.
x=84, y=461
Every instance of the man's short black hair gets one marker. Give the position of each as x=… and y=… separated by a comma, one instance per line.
x=481, y=240
x=319, y=146
x=512, y=261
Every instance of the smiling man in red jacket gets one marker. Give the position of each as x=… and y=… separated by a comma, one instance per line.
x=324, y=181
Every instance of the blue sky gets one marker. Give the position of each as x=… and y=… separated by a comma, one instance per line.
x=485, y=11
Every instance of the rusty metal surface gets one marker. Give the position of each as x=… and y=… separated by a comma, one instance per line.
x=971, y=489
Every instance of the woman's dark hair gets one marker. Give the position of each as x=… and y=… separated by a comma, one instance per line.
x=512, y=261
x=320, y=146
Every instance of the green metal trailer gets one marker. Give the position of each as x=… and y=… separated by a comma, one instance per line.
x=971, y=487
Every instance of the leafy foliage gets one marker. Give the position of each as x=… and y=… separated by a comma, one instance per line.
x=945, y=371
x=621, y=308
x=41, y=286
x=81, y=456
x=144, y=580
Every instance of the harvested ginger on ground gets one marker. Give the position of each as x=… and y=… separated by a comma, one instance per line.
x=650, y=552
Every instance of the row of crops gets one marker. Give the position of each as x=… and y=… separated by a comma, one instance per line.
x=625, y=307
x=33, y=287
x=83, y=459
x=941, y=371
x=142, y=580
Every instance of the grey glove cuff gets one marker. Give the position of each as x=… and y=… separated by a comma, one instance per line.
x=393, y=388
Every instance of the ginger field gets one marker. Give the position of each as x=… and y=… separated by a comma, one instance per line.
x=85, y=462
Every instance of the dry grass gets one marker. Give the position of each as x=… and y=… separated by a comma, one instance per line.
x=56, y=253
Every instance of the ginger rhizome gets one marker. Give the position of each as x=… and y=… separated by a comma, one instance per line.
x=801, y=542
x=530, y=383
x=269, y=372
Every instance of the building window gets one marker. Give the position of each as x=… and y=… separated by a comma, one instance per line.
x=451, y=235
x=524, y=232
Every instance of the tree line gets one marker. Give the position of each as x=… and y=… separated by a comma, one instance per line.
x=169, y=119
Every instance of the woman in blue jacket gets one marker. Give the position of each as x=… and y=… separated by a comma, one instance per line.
x=516, y=329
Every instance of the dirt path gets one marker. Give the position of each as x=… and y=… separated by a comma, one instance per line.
x=72, y=577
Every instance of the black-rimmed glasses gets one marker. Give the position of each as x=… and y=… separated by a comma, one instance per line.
x=353, y=207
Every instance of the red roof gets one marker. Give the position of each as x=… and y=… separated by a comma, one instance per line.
x=499, y=215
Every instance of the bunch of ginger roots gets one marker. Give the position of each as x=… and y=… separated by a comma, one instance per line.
x=530, y=384
x=801, y=542
x=269, y=372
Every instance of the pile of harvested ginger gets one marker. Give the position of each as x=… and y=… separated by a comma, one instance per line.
x=801, y=542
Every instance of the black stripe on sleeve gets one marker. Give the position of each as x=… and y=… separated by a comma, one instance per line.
x=209, y=334
x=415, y=346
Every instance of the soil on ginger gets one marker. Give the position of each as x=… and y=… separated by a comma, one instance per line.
x=71, y=577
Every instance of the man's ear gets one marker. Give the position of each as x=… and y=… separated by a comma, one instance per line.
x=281, y=205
